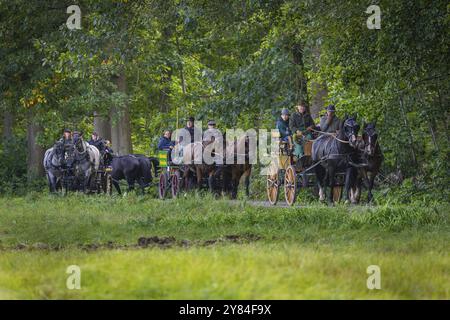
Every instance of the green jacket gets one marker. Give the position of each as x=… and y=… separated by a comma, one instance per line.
x=300, y=122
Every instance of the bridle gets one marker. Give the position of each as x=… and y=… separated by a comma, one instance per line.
x=371, y=135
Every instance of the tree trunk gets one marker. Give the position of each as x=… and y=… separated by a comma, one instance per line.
x=102, y=125
x=410, y=136
x=8, y=121
x=120, y=118
x=320, y=93
x=300, y=83
x=319, y=90
x=35, y=152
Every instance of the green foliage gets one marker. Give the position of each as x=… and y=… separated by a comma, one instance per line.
x=13, y=162
x=237, y=62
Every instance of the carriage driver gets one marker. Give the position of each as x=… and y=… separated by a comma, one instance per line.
x=301, y=125
x=66, y=140
x=330, y=122
x=283, y=127
x=67, y=137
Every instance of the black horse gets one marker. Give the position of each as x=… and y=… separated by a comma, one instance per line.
x=133, y=168
x=332, y=154
x=372, y=156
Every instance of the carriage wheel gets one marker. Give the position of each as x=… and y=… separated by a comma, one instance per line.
x=290, y=185
x=163, y=185
x=109, y=186
x=273, y=186
x=175, y=182
x=99, y=182
x=337, y=193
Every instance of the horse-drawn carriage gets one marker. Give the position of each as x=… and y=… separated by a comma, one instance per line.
x=217, y=177
x=170, y=177
x=77, y=167
x=293, y=174
x=176, y=177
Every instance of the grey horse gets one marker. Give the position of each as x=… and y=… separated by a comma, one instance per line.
x=86, y=162
x=54, y=164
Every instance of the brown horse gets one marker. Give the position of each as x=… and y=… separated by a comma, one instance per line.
x=371, y=154
x=235, y=171
x=195, y=173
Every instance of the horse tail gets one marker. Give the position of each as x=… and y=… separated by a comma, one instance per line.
x=155, y=163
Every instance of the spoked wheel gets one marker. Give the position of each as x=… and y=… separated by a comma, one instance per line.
x=273, y=185
x=290, y=185
x=175, y=184
x=163, y=185
x=98, y=182
x=108, y=186
x=337, y=193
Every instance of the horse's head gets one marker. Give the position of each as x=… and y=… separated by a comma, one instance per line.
x=370, y=137
x=58, y=155
x=350, y=131
x=78, y=143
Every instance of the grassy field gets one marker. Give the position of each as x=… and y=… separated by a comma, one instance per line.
x=200, y=248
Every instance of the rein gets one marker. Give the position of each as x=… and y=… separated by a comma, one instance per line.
x=329, y=134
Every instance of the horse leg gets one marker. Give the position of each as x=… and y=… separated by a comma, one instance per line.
x=331, y=173
x=247, y=184
x=211, y=180
x=199, y=174
x=115, y=182
x=234, y=191
x=320, y=182
x=87, y=181
x=369, y=193
x=51, y=182
x=130, y=182
x=349, y=182
x=142, y=185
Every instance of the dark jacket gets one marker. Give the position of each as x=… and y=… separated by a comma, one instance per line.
x=283, y=127
x=300, y=122
x=165, y=143
x=191, y=132
x=99, y=144
x=331, y=127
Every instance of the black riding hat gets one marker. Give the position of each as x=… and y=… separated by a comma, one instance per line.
x=331, y=108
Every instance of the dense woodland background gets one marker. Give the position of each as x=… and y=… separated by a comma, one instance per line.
x=135, y=65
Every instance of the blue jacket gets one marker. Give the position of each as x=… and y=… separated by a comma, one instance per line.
x=165, y=143
x=283, y=127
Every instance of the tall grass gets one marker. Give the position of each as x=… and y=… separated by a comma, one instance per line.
x=77, y=219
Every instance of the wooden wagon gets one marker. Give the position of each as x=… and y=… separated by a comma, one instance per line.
x=293, y=174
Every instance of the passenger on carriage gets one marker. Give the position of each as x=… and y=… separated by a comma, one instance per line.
x=190, y=128
x=108, y=148
x=165, y=142
x=301, y=125
x=330, y=122
x=209, y=134
x=283, y=127
x=97, y=142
